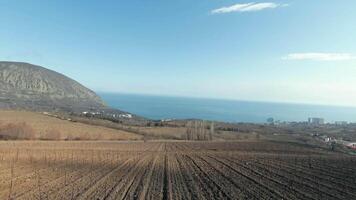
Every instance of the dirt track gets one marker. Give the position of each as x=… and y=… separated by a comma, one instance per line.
x=173, y=170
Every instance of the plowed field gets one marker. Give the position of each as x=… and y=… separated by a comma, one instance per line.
x=173, y=170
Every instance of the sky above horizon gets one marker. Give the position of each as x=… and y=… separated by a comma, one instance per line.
x=297, y=51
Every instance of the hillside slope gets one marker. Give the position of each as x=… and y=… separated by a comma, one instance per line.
x=30, y=86
x=47, y=127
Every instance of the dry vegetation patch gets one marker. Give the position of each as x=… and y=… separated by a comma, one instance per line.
x=30, y=125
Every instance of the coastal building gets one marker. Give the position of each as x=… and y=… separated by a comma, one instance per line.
x=324, y=137
x=341, y=123
x=316, y=121
x=125, y=116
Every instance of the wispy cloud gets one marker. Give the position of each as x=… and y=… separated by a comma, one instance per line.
x=247, y=7
x=320, y=56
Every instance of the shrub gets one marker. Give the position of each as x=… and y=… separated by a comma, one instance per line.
x=20, y=131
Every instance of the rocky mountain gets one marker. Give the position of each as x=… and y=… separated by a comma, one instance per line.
x=24, y=85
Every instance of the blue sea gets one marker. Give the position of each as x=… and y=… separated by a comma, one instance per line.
x=161, y=107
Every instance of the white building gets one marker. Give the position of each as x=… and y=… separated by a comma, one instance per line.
x=316, y=121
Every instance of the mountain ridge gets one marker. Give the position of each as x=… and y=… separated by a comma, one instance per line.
x=25, y=84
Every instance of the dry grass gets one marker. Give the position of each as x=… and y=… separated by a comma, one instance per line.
x=164, y=132
x=179, y=133
x=45, y=127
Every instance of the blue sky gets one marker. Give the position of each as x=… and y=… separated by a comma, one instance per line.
x=288, y=51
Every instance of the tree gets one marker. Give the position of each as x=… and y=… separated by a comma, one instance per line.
x=212, y=130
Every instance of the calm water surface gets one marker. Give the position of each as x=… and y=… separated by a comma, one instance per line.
x=160, y=107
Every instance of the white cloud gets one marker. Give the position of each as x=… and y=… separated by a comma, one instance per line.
x=320, y=56
x=247, y=7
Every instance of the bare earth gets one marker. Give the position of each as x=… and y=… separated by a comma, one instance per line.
x=172, y=170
